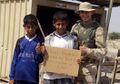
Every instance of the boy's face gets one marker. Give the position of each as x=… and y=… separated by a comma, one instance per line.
x=30, y=30
x=60, y=26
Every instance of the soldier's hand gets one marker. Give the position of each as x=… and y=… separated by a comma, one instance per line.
x=83, y=50
x=11, y=81
x=40, y=49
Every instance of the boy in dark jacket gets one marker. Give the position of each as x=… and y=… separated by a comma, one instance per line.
x=26, y=58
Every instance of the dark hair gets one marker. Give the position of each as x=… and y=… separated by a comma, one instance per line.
x=60, y=15
x=30, y=19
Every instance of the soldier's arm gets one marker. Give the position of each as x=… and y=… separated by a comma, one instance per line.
x=112, y=53
x=98, y=52
x=94, y=53
x=99, y=37
x=74, y=29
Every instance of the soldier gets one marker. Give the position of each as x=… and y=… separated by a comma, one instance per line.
x=91, y=43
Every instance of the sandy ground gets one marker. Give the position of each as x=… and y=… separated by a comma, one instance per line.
x=106, y=78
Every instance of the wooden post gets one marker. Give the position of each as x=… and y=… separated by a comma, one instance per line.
x=106, y=37
x=114, y=71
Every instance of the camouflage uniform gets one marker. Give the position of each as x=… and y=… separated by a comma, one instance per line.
x=90, y=35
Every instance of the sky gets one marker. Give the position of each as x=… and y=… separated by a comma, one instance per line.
x=115, y=20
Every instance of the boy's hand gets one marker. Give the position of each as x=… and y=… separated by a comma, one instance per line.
x=78, y=61
x=40, y=49
x=83, y=50
x=11, y=81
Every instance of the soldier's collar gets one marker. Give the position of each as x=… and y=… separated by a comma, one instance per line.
x=92, y=24
x=86, y=25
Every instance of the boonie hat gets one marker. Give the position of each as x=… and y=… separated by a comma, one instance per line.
x=85, y=6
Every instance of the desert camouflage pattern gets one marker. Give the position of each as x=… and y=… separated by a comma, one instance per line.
x=88, y=70
x=79, y=30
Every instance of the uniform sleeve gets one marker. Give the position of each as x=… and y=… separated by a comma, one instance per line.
x=99, y=37
x=75, y=42
x=111, y=54
x=14, y=61
x=98, y=52
x=74, y=30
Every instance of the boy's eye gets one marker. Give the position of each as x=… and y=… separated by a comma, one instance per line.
x=28, y=26
x=61, y=24
x=58, y=24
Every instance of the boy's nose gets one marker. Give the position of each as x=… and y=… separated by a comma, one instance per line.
x=31, y=28
x=61, y=26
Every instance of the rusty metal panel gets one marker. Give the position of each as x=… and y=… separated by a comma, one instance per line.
x=58, y=4
x=11, y=28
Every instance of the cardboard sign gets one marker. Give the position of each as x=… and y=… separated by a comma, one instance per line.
x=62, y=61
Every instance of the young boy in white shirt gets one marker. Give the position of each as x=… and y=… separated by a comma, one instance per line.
x=59, y=38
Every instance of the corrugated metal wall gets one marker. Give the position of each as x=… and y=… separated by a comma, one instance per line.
x=11, y=28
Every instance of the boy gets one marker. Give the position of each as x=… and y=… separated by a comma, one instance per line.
x=62, y=39
x=26, y=58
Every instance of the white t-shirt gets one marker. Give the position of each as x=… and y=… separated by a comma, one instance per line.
x=55, y=40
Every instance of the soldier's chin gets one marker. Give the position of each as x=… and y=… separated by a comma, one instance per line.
x=85, y=20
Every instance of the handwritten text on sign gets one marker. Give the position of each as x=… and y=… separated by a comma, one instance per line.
x=62, y=61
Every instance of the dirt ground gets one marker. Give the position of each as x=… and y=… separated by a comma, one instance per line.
x=106, y=76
